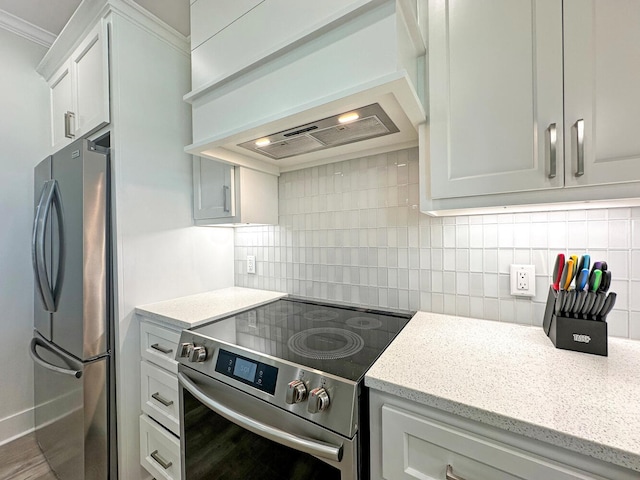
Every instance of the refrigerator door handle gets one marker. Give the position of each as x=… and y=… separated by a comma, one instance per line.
x=50, y=195
x=76, y=367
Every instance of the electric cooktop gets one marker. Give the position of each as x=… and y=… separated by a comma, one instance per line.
x=340, y=340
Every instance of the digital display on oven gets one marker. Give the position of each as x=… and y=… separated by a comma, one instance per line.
x=245, y=370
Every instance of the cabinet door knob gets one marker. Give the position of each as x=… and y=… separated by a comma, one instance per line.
x=451, y=475
x=552, y=135
x=67, y=124
x=580, y=147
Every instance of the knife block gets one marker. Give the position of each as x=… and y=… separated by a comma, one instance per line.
x=567, y=333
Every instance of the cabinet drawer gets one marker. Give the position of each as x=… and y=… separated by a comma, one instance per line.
x=415, y=447
x=159, y=450
x=159, y=396
x=159, y=344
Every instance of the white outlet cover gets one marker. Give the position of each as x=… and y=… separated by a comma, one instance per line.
x=530, y=271
x=251, y=264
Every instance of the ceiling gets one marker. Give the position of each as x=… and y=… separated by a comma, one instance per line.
x=52, y=15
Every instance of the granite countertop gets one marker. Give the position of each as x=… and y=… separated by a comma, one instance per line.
x=512, y=377
x=194, y=310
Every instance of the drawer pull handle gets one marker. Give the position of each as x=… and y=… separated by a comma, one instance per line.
x=450, y=474
x=163, y=463
x=167, y=403
x=160, y=348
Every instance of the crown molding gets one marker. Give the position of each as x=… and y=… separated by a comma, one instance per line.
x=25, y=29
x=89, y=13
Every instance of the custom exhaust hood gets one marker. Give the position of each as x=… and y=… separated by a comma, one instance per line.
x=321, y=100
x=348, y=127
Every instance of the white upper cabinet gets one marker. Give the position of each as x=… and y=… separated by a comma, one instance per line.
x=528, y=99
x=496, y=86
x=231, y=195
x=80, y=90
x=90, y=67
x=602, y=88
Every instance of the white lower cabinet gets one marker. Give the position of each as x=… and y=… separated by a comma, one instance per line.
x=159, y=396
x=412, y=441
x=159, y=450
x=159, y=401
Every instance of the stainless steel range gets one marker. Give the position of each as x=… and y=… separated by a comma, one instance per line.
x=277, y=392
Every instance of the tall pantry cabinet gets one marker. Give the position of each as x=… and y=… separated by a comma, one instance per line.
x=158, y=253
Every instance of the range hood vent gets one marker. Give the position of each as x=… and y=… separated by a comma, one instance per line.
x=348, y=127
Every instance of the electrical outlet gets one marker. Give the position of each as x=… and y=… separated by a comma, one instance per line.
x=523, y=280
x=251, y=264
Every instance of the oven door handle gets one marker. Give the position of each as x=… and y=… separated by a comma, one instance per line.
x=313, y=447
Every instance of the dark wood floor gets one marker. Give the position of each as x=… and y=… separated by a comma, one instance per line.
x=22, y=460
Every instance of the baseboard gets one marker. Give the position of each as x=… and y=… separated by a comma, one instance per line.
x=16, y=425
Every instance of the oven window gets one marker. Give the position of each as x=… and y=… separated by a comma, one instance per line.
x=218, y=449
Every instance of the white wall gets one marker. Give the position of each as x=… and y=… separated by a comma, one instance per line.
x=160, y=254
x=24, y=131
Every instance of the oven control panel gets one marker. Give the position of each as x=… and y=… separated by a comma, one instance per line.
x=245, y=370
x=319, y=397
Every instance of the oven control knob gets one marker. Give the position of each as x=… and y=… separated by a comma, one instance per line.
x=198, y=354
x=318, y=400
x=185, y=349
x=296, y=393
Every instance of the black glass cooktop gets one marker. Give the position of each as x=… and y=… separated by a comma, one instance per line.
x=339, y=340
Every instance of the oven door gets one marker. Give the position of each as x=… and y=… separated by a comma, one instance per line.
x=229, y=434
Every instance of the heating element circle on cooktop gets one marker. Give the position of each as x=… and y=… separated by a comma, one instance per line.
x=299, y=343
x=364, y=323
x=320, y=315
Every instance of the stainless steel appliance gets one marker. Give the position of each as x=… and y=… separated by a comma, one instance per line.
x=72, y=345
x=277, y=392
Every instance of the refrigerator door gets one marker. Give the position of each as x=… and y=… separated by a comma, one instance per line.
x=80, y=245
x=72, y=412
x=41, y=253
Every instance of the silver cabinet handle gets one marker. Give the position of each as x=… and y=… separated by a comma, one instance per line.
x=159, y=398
x=226, y=192
x=450, y=474
x=160, y=348
x=319, y=449
x=48, y=293
x=67, y=124
x=553, y=140
x=74, y=371
x=163, y=463
x=580, y=147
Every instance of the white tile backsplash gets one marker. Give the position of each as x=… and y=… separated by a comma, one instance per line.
x=352, y=231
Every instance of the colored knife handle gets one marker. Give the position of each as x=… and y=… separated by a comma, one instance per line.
x=567, y=275
x=557, y=271
x=582, y=279
x=594, y=280
x=575, y=266
x=584, y=262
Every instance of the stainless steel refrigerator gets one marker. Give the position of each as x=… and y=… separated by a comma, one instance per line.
x=72, y=345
